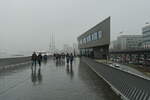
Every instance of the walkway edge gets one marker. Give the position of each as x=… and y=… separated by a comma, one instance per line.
x=12, y=65
x=130, y=72
x=113, y=88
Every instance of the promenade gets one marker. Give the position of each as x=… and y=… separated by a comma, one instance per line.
x=53, y=81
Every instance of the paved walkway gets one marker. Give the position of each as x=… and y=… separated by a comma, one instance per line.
x=54, y=81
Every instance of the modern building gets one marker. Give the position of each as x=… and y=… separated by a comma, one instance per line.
x=128, y=42
x=146, y=36
x=114, y=45
x=95, y=42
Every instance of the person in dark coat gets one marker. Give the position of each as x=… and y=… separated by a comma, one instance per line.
x=34, y=58
x=71, y=59
x=39, y=59
x=45, y=57
x=67, y=58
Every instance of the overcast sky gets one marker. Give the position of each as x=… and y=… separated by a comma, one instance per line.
x=25, y=25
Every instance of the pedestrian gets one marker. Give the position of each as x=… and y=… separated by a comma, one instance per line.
x=71, y=59
x=56, y=57
x=34, y=58
x=67, y=58
x=39, y=59
x=45, y=57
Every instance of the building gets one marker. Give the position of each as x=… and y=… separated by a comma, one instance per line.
x=95, y=42
x=113, y=45
x=146, y=36
x=127, y=42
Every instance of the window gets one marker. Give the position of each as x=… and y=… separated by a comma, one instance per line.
x=84, y=40
x=95, y=36
x=80, y=42
x=91, y=37
x=99, y=34
x=88, y=38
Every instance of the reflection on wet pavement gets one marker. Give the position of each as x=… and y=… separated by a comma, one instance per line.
x=69, y=71
x=54, y=81
x=36, y=75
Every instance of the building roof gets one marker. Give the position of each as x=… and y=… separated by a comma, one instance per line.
x=92, y=28
x=126, y=36
x=146, y=26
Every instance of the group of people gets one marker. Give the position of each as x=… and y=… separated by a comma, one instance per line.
x=38, y=58
x=59, y=57
x=69, y=58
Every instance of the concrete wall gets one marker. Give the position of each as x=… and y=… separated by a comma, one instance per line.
x=9, y=61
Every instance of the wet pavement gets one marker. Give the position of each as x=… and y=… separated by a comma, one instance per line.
x=54, y=81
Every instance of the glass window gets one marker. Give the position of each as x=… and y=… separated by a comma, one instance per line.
x=89, y=38
x=84, y=40
x=80, y=42
x=99, y=34
x=92, y=36
x=95, y=36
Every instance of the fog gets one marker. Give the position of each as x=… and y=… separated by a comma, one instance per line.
x=26, y=25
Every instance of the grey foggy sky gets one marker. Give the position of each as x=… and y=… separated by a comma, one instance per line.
x=25, y=25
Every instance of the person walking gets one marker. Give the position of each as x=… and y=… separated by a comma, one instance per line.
x=67, y=58
x=39, y=59
x=45, y=57
x=34, y=58
x=71, y=59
